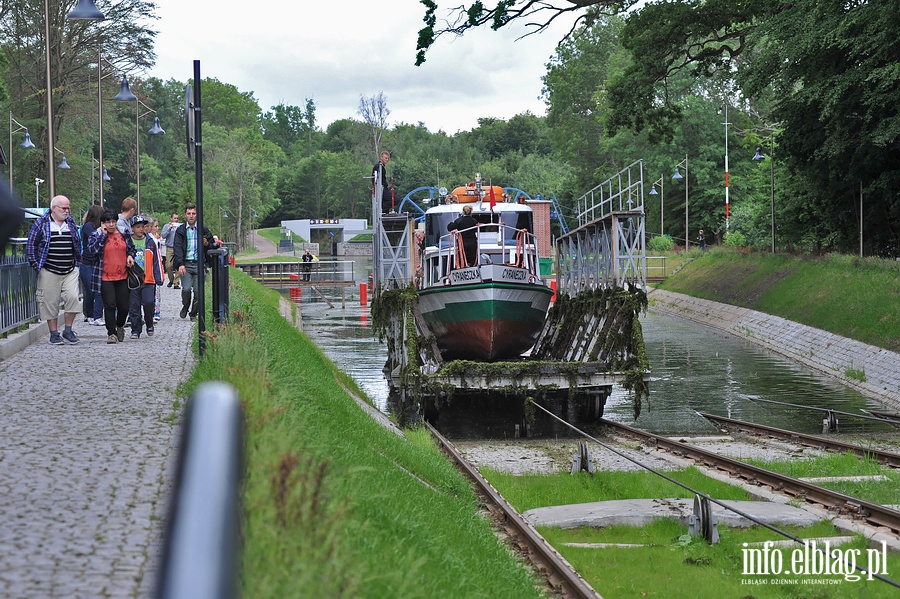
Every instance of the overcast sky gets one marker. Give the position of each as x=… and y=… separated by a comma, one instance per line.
x=333, y=52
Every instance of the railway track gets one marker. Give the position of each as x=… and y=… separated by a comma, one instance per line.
x=860, y=509
x=559, y=574
x=884, y=457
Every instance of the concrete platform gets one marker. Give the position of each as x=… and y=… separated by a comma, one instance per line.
x=638, y=512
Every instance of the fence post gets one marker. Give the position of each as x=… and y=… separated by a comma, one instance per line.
x=219, y=284
x=201, y=549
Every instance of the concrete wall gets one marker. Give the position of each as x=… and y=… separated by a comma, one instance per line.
x=820, y=350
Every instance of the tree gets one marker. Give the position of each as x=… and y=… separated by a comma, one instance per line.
x=544, y=12
x=239, y=171
x=289, y=126
x=123, y=37
x=375, y=112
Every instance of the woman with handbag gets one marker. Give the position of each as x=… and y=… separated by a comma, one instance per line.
x=114, y=253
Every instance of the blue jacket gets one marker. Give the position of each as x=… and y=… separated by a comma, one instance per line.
x=38, y=245
x=96, y=244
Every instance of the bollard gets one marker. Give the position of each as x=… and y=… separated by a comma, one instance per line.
x=363, y=294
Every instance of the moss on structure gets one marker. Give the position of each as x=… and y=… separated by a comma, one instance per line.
x=618, y=346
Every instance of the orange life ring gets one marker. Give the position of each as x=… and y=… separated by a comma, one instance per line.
x=466, y=194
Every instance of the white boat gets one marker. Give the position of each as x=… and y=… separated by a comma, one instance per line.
x=495, y=308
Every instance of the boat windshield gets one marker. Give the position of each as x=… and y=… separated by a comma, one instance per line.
x=436, y=224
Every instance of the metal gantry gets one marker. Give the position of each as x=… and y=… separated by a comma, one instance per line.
x=392, y=245
x=608, y=247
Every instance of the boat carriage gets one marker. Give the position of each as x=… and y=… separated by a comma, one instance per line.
x=495, y=308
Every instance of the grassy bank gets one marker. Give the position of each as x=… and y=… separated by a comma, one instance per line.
x=849, y=296
x=334, y=504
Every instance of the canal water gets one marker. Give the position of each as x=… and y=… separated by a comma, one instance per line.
x=694, y=369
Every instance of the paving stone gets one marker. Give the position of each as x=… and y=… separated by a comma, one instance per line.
x=87, y=448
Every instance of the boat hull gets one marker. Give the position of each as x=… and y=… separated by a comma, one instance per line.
x=485, y=321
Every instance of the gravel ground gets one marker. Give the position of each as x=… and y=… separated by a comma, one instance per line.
x=543, y=456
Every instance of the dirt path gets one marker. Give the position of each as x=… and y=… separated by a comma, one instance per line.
x=265, y=246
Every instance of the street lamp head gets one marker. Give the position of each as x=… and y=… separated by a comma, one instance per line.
x=125, y=94
x=63, y=164
x=677, y=176
x=106, y=176
x=759, y=155
x=85, y=10
x=653, y=191
x=27, y=143
x=156, y=129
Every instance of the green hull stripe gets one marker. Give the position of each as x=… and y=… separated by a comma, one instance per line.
x=486, y=310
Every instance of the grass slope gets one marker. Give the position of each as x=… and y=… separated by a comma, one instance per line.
x=334, y=504
x=849, y=296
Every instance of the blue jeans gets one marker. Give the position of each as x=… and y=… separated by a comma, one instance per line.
x=141, y=305
x=92, y=302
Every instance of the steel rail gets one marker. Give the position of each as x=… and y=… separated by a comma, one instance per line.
x=855, y=507
x=887, y=458
x=555, y=569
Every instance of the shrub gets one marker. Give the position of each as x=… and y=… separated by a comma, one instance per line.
x=735, y=239
x=661, y=243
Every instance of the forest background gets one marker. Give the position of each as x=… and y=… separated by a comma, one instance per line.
x=810, y=88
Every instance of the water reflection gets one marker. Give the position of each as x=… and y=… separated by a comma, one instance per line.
x=695, y=369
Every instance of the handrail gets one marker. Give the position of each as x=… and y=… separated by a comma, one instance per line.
x=523, y=253
x=18, y=285
x=201, y=547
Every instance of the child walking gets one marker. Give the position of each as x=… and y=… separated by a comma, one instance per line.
x=143, y=299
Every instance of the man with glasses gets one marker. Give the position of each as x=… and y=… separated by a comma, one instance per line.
x=54, y=251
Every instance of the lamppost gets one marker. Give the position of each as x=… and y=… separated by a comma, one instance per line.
x=50, y=141
x=86, y=10
x=662, y=200
x=63, y=165
x=37, y=191
x=125, y=95
x=93, y=169
x=759, y=157
x=726, y=123
x=25, y=144
x=677, y=177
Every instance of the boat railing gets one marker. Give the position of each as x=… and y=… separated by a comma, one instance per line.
x=518, y=248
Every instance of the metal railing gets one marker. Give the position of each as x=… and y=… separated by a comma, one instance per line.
x=656, y=267
x=623, y=191
x=324, y=271
x=202, y=543
x=18, y=281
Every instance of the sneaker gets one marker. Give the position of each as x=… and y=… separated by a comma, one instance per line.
x=150, y=331
x=86, y=319
x=193, y=318
x=120, y=334
x=56, y=338
x=70, y=337
x=170, y=284
x=184, y=311
x=135, y=335
x=111, y=339
x=177, y=287
x=156, y=319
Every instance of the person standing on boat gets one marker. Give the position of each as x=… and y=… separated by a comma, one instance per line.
x=469, y=227
x=379, y=176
